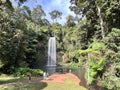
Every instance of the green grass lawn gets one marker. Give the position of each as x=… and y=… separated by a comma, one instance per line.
x=67, y=85
x=7, y=79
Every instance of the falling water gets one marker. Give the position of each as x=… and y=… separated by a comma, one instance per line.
x=51, y=52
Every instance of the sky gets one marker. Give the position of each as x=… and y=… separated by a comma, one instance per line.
x=49, y=5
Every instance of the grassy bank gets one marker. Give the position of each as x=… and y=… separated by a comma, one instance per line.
x=10, y=78
x=67, y=85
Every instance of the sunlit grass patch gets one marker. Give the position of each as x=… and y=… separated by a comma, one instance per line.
x=32, y=86
x=69, y=84
x=9, y=78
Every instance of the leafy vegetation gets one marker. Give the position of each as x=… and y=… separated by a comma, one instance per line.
x=23, y=72
x=90, y=39
x=100, y=26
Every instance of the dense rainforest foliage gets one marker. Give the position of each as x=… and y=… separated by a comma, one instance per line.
x=91, y=38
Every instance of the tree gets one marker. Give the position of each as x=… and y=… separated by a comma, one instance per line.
x=96, y=12
x=70, y=21
x=38, y=14
x=26, y=12
x=55, y=14
x=22, y=41
x=11, y=41
x=102, y=23
x=77, y=12
x=8, y=3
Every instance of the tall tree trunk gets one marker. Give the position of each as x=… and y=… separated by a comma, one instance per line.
x=101, y=22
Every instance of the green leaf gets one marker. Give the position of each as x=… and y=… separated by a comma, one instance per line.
x=100, y=68
x=101, y=62
x=93, y=73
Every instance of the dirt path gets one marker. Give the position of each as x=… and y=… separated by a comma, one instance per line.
x=58, y=78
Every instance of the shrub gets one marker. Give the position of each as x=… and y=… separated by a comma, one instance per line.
x=28, y=72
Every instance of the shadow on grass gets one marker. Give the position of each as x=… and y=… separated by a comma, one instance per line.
x=11, y=80
x=31, y=86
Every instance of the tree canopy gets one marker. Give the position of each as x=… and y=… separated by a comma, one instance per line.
x=91, y=38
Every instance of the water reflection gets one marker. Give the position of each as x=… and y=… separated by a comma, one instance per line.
x=80, y=72
x=50, y=70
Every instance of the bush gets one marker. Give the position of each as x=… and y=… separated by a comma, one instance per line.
x=28, y=72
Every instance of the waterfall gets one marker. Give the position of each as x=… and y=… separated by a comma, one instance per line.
x=51, y=52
